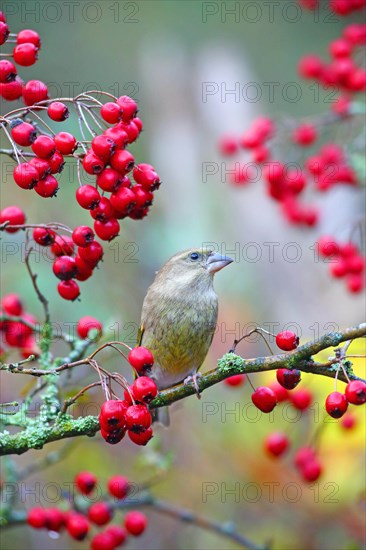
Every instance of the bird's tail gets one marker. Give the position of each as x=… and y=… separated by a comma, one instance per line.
x=161, y=416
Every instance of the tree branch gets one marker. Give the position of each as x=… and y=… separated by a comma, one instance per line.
x=37, y=435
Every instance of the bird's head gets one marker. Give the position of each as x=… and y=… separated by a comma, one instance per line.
x=194, y=266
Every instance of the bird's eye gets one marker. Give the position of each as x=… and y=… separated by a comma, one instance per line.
x=194, y=256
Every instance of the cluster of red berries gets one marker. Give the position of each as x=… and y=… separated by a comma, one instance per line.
x=131, y=414
x=346, y=261
x=78, y=524
x=25, y=54
x=17, y=334
x=340, y=7
x=336, y=403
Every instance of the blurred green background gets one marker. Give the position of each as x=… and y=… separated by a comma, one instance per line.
x=180, y=60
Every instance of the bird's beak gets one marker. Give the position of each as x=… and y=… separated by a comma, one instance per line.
x=216, y=261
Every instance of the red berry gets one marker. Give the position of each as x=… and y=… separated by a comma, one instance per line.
x=64, y=267
x=145, y=175
x=260, y=154
x=77, y=526
x=135, y=522
x=11, y=91
x=311, y=471
x=336, y=404
x=47, y=187
x=289, y=379
x=43, y=236
x=108, y=179
x=280, y=392
x=111, y=112
x=339, y=268
x=92, y=254
x=87, y=196
x=327, y=246
x=235, y=380
x=123, y=200
x=228, y=145
x=55, y=519
x=65, y=143
x=142, y=198
x=44, y=147
x=276, y=443
x=304, y=455
x=131, y=130
x=100, y=513
x=355, y=282
x=42, y=166
x=287, y=340
x=69, y=290
x=23, y=133
x=107, y=230
x=141, y=438
x=83, y=270
x=296, y=181
x=8, y=71
x=118, y=135
x=103, y=541
x=355, y=33
x=348, y=421
x=12, y=304
x=118, y=533
x=356, y=392
x=118, y=486
x=113, y=436
x=104, y=211
x=342, y=105
x=56, y=163
x=122, y=161
x=83, y=235
x=85, y=482
x=250, y=139
x=340, y=48
x=141, y=359
x=93, y=164
x=25, y=54
x=112, y=415
x=144, y=389
x=36, y=518
x=310, y=66
x=57, y=111
x=63, y=246
x=4, y=32
x=16, y=334
x=34, y=91
x=301, y=399
x=25, y=175
x=264, y=399
x=355, y=264
x=138, y=418
x=104, y=147
x=305, y=134
x=138, y=122
x=27, y=36
x=86, y=324
x=129, y=107
x=14, y=215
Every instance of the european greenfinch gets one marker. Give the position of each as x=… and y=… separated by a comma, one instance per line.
x=179, y=316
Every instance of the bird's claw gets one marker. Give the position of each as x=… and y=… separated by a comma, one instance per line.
x=192, y=378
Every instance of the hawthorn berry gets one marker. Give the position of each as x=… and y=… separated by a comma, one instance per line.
x=85, y=482
x=64, y=267
x=311, y=470
x=111, y=112
x=355, y=282
x=11, y=91
x=91, y=254
x=146, y=176
x=87, y=196
x=100, y=513
x=63, y=246
x=310, y=66
x=108, y=179
x=118, y=135
x=34, y=91
x=44, y=147
x=55, y=519
x=301, y=399
x=83, y=270
x=57, y=111
x=336, y=404
x=288, y=379
x=93, y=164
x=112, y=415
x=77, y=526
x=69, y=290
x=327, y=246
x=144, y=389
x=104, y=147
x=287, y=340
x=43, y=236
x=12, y=304
x=135, y=522
x=25, y=175
x=228, y=145
x=141, y=438
x=128, y=106
x=36, y=518
x=103, y=541
x=56, y=163
x=65, y=143
x=47, y=187
x=138, y=418
x=25, y=54
x=118, y=533
x=14, y=215
x=123, y=161
x=280, y=392
x=348, y=421
x=8, y=71
x=103, y=211
x=4, y=32
x=235, y=380
x=113, y=436
x=264, y=399
x=123, y=200
x=86, y=324
x=303, y=455
x=107, y=230
x=142, y=198
x=23, y=133
x=42, y=166
x=356, y=392
x=118, y=486
x=141, y=359
x=276, y=443
x=83, y=235
x=305, y=134
x=28, y=36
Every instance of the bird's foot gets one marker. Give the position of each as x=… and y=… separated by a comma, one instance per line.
x=192, y=378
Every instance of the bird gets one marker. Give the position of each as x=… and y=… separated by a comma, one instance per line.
x=179, y=317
